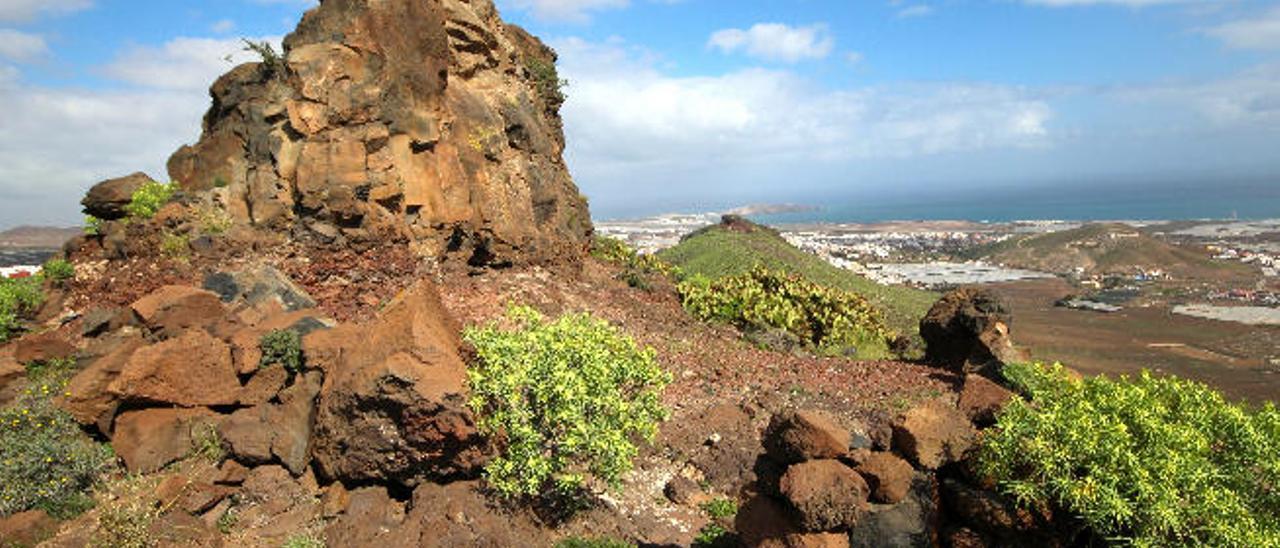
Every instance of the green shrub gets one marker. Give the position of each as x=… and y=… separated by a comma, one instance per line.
x=602, y=542
x=58, y=271
x=608, y=248
x=712, y=535
x=19, y=298
x=1149, y=461
x=568, y=396
x=92, y=225
x=303, y=540
x=720, y=508
x=149, y=198
x=125, y=524
x=273, y=64
x=282, y=347
x=206, y=443
x=828, y=319
x=46, y=461
x=175, y=245
x=547, y=80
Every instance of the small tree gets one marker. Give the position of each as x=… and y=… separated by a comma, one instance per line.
x=568, y=396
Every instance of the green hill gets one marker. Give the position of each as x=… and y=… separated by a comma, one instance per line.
x=728, y=250
x=1106, y=248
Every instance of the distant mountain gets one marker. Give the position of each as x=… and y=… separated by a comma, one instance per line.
x=1106, y=248
x=36, y=237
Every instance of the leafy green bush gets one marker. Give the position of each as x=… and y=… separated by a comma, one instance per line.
x=92, y=225
x=46, y=461
x=303, y=540
x=1151, y=461
x=547, y=80
x=125, y=524
x=149, y=198
x=713, y=535
x=273, y=64
x=828, y=319
x=58, y=271
x=720, y=508
x=608, y=248
x=568, y=396
x=19, y=297
x=282, y=347
x=637, y=268
x=603, y=542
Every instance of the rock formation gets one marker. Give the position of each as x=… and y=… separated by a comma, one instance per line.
x=427, y=121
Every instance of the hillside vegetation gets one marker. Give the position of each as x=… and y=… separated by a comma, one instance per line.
x=1104, y=248
x=720, y=251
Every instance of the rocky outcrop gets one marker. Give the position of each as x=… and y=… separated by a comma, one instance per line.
x=107, y=200
x=430, y=121
x=149, y=439
x=393, y=408
x=967, y=331
x=797, y=436
x=933, y=434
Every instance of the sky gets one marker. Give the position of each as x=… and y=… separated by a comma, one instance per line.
x=695, y=105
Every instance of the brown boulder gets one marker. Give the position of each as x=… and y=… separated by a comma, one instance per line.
x=394, y=403
x=981, y=400
x=43, y=347
x=87, y=397
x=826, y=494
x=932, y=435
x=282, y=431
x=191, y=370
x=967, y=330
x=888, y=476
x=796, y=436
x=27, y=528
x=150, y=439
x=107, y=199
x=174, y=308
x=763, y=522
x=11, y=375
x=997, y=515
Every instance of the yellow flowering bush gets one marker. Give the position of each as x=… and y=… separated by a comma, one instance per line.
x=567, y=396
x=1151, y=461
x=46, y=461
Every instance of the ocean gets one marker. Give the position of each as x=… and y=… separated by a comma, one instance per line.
x=1254, y=199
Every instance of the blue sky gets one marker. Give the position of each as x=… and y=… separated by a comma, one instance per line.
x=706, y=104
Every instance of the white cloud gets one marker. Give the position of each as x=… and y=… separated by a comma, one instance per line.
x=622, y=111
x=26, y=10
x=854, y=58
x=1250, y=99
x=919, y=10
x=21, y=46
x=1258, y=33
x=182, y=63
x=577, y=11
x=223, y=26
x=776, y=42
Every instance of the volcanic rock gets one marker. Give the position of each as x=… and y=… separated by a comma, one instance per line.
x=796, y=436
x=11, y=374
x=393, y=407
x=968, y=331
x=888, y=476
x=826, y=494
x=27, y=528
x=257, y=286
x=911, y=523
x=106, y=200
x=282, y=431
x=932, y=435
x=981, y=399
x=423, y=120
x=150, y=439
x=763, y=522
x=87, y=398
x=191, y=370
x=174, y=308
x=42, y=347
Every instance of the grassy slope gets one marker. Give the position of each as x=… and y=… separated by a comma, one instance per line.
x=717, y=252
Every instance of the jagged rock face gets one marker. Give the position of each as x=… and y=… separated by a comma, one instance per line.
x=414, y=119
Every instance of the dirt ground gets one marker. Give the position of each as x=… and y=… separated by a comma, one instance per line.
x=1232, y=357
